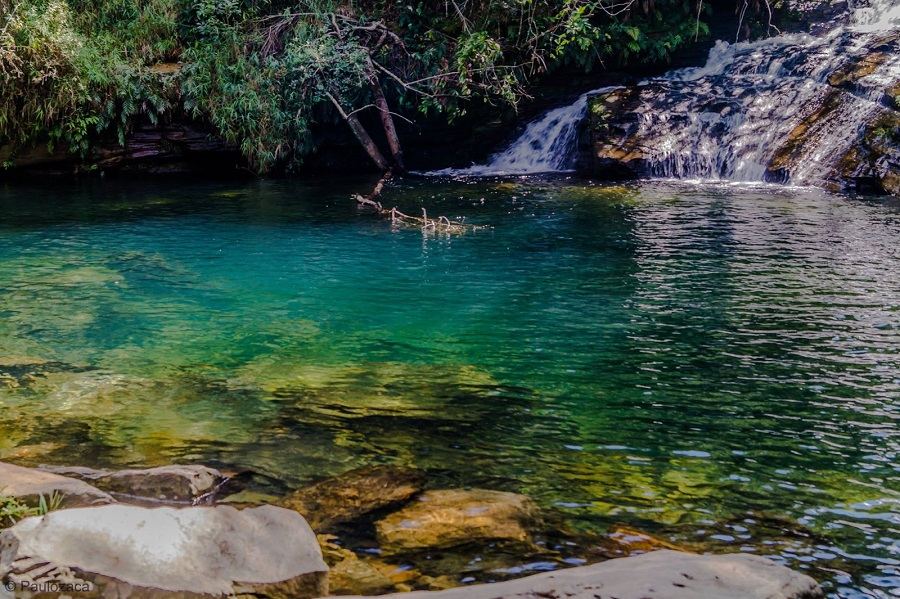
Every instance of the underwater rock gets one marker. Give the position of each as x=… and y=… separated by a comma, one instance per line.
x=29, y=484
x=349, y=391
x=638, y=541
x=352, y=494
x=349, y=574
x=452, y=517
x=250, y=498
x=167, y=483
x=129, y=551
x=658, y=575
x=30, y=451
x=356, y=576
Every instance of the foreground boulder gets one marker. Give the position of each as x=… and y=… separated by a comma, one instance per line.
x=658, y=575
x=28, y=485
x=353, y=494
x=182, y=483
x=122, y=551
x=452, y=517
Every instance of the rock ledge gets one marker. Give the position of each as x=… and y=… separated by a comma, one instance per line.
x=658, y=575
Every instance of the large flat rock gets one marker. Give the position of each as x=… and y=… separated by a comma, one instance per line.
x=28, y=485
x=130, y=551
x=177, y=483
x=658, y=575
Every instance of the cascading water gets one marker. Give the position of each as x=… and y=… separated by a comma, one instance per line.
x=774, y=101
x=548, y=144
x=765, y=110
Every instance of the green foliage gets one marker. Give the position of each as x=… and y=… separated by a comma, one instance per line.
x=266, y=74
x=12, y=510
x=66, y=79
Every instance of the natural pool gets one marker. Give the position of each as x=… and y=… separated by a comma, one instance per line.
x=717, y=365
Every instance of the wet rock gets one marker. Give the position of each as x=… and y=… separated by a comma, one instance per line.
x=249, y=498
x=854, y=75
x=348, y=574
x=352, y=494
x=122, y=551
x=29, y=484
x=452, y=517
x=30, y=451
x=638, y=541
x=874, y=164
x=801, y=111
x=658, y=575
x=356, y=576
x=178, y=483
x=617, y=150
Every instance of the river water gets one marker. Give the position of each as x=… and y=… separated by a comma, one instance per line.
x=716, y=364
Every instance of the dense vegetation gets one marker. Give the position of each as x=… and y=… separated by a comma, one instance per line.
x=264, y=73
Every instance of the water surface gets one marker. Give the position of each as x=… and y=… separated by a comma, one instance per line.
x=719, y=365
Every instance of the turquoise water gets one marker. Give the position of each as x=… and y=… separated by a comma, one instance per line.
x=717, y=365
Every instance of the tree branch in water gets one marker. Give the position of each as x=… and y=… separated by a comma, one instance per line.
x=441, y=224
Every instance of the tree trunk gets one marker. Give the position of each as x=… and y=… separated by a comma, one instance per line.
x=361, y=135
x=387, y=121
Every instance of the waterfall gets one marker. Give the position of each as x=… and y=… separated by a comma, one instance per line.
x=548, y=144
x=732, y=117
x=742, y=111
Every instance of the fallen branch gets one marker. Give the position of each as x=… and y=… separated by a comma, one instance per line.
x=441, y=224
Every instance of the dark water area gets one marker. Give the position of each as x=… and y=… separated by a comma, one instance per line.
x=716, y=364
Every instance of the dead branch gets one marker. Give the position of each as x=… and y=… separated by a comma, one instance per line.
x=441, y=224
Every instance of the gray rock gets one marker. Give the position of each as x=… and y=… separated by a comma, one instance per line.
x=29, y=484
x=658, y=575
x=130, y=551
x=178, y=482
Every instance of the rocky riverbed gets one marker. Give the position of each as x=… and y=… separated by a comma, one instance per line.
x=191, y=530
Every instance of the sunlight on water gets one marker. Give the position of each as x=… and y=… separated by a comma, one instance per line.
x=716, y=364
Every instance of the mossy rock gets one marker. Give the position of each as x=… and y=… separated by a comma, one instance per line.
x=348, y=496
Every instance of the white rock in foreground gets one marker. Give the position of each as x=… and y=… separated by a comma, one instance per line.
x=132, y=551
x=658, y=575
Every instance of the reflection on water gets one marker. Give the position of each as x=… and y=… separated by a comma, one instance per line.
x=717, y=365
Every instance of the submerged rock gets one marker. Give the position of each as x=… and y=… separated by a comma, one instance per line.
x=29, y=484
x=121, y=551
x=659, y=575
x=638, y=541
x=30, y=451
x=348, y=574
x=353, y=494
x=452, y=517
x=182, y=483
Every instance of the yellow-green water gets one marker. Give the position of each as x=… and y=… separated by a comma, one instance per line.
x=718, y=365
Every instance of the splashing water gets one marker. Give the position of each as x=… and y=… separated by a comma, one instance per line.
x=728, y=118
x=548, y=144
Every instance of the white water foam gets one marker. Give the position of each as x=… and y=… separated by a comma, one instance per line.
x=725, y=119
x=547, y=145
